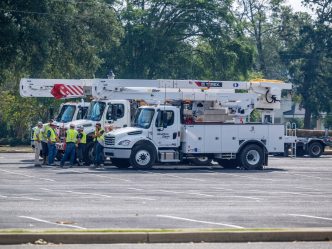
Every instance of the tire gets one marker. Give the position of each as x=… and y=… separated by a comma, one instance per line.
x=90, y=153
x=300, y=152
x=59, y=155
x=201, y=161
x=315, y=149
x=252, y=157
x=228, y=164
x=120, y=163
x=143, y=156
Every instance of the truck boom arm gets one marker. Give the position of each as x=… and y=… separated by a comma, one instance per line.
x=70, y=88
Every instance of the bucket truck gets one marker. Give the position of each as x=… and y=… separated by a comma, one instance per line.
x=68, y=89
x=188, y=123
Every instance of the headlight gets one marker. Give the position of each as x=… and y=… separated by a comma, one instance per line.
x=124, y=142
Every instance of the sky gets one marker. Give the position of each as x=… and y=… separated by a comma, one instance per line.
x=296, y=5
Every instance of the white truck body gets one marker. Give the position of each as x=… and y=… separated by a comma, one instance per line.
x=246, y=145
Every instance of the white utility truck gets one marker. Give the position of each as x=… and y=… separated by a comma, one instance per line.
x=189, y=124
x=112, y=114
x=68, y=89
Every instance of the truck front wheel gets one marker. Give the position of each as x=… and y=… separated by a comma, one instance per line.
x=252, y=157
x=142, y=156
x=315, y=149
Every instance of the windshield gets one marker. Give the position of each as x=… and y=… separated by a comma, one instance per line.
x=96, y=110
x=143, y=118
x=66, y=113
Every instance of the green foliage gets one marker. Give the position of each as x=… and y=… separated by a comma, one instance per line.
x=307, y=55
x=177, y=39
x=298, y=121
x=180, y=39
x=328, y=121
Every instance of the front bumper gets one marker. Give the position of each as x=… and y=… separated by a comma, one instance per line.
x=117, y=152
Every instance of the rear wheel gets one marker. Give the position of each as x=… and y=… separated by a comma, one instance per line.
x=201, y=161
x=142, y=156
x=315, y=149
x=121, y=163
x=252, y=157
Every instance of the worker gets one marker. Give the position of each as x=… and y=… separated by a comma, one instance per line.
x=52, y=138
x=44, y=141
x=37, y=137
x=81, y=145
x=99, y=145
x=71, y=139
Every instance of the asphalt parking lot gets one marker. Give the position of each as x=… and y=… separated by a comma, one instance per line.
x=290, y=193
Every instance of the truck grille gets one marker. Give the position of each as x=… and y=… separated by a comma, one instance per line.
x=109, y=140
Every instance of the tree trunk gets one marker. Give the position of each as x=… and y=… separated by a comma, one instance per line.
x=307, y=119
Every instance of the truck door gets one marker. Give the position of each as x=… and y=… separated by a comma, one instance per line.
x=166, y=129
x=115, y=115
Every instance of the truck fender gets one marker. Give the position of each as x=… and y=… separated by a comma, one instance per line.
x=259, y=143
x=146, y=141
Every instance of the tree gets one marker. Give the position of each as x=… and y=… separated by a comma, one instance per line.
x=50, y=39
x=256, y=18
x=307, y=53
x=173, y=39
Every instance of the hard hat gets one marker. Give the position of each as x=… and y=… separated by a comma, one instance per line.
x=40, y=123
x=72, y=125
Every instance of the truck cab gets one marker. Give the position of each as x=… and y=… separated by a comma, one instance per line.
x=154, y=136
x=110, y=114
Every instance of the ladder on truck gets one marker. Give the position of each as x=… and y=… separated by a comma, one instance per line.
x=290, y=142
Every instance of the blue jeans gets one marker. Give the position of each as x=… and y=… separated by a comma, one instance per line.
x=81, y=152
x=51, y=153
x=99, y=153
x=69, y=152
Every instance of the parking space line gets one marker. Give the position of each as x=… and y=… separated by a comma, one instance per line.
x=249, y=177
x=281, y=192
x=227, y=189
x=188, y=193
x=175, y=176
x=312, y=189
x=310, y=216
x=49, y=222
x=28, y=176
x=109, y=196
x=199, y=221
x=315, y=177
x=245, y=197
x=112, y=178
x=24, y=197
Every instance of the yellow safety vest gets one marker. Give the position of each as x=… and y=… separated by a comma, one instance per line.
x=44, y=133
x=36, y=134
x=83, y=139
x=53, y=135
x=71, y=136
x=101, y=138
